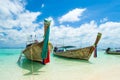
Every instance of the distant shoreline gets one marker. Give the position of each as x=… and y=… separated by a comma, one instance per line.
x=12, y=47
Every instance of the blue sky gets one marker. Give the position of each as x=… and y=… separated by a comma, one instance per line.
x=74, y=22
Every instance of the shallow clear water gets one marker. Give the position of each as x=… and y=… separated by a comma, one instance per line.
x=104, y=67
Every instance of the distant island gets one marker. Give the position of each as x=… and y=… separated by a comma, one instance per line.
x=12, y=47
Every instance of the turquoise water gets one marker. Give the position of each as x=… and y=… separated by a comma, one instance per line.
x=104, y=67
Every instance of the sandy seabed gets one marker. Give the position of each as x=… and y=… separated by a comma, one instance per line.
x=105, y=67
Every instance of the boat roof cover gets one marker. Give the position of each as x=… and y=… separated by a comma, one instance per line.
x=67, y=47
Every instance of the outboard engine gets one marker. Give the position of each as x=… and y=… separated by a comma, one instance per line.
x=108, y=49
x=55, y=49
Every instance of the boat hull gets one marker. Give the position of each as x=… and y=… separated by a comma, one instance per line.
x=82, y=53
x=113, y=52
x=38, y=51
x=34, y=51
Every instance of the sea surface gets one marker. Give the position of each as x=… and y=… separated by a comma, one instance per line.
x=104, y=67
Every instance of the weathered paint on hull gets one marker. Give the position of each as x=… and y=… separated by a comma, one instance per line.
x=114, y=53
x=33, y=52
x=82, y=53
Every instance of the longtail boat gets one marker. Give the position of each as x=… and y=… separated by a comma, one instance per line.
x=81, y=53
x=114, y=52
x=40, y=51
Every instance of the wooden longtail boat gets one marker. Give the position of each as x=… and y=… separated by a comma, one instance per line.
x=115, y=52
x=39, y=51
x=82, y=53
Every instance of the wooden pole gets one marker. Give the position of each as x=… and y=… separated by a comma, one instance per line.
x=19, y=57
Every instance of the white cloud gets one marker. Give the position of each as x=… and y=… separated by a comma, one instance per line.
x=85, y=34
x=72, y=16
x=111, y=32
x=8, y=8
x=14, y=15
x=42, y=6
x=104, y=20
x=74, y=36
x=27, y=19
